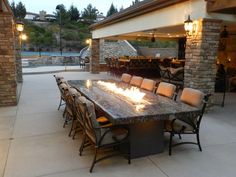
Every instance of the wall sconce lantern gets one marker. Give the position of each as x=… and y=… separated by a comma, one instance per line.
x=23, y=37
x=88, y=41
x=189, y=26
x=20, y=26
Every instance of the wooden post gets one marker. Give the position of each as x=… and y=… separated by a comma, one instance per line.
x=1, y=6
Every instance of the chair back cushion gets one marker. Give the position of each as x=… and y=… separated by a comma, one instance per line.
x=63, y=87
x=73, y=92
x=166, y=89
x=78, y=112
x=148, y=84
x=126, y=78
x=192, y=97
x=58, y=78
x=69, y=98
x=136, y=81
x=92, y=127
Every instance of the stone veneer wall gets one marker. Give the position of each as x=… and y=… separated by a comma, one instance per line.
x=201, y=54
x=115, y=49
x=164, y=52
x=94, y=61
x=112, y=49
x=19, y=76
x=51, y=61
x=8, y=85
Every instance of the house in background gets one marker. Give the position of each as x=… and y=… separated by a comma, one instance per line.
x=42, y=16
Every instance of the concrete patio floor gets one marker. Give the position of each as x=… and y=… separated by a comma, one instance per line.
x=34, y=144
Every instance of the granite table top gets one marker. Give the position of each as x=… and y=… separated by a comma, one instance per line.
x=120, y=110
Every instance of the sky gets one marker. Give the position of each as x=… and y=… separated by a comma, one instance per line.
x=50, y=5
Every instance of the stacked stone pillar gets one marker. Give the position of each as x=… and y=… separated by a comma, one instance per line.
x=95, y=56
x=18, y=44
x=201, y=54
x=8, y=85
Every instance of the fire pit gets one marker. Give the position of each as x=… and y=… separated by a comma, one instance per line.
x=132, y=94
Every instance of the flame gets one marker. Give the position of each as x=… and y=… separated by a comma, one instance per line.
x=88, y=84
x=132, y=93
x=139, y=107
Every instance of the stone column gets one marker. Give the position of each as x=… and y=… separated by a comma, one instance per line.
x=201, y=54
x=18, y=58
x=95, y=56
x=8, y=85
x=101, y=55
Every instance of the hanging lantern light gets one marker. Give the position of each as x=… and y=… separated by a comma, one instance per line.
x=20, y=26
x=188, y=25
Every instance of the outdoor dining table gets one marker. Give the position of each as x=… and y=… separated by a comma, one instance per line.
x=145, y=120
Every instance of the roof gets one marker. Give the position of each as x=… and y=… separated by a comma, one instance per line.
x=31, y=13
x=50, y=15
x=137, y=9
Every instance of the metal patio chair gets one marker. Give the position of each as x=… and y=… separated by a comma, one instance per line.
x=191, y=124
x=100, y=137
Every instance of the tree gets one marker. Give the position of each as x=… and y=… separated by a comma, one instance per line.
x=61, y=10
x=121, y=8
x=73, y=13
x=135, y=1
x=40, y=37
x=13, y=8
x=112, y=10
x=18, y=10
x=90, y=13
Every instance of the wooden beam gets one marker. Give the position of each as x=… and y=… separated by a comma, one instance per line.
x=221, y=6
x=7, y=6
x=1, y=6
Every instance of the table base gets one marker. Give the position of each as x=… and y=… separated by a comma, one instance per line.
x=146, y=138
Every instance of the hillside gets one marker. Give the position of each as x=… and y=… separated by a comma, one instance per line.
x=45, y=36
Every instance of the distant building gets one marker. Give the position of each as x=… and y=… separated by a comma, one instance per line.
x=31, y=16
x=100, y=17
x=42, y=16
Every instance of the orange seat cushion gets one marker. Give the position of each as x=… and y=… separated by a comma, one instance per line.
x=103, y=121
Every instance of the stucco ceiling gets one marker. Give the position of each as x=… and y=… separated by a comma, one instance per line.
x=167, y=33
